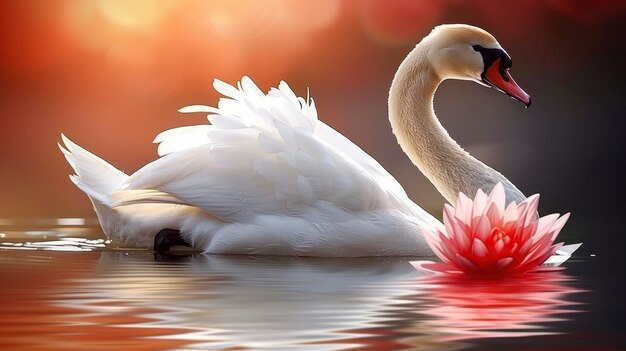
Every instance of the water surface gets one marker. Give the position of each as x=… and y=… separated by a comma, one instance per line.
x=65, y=288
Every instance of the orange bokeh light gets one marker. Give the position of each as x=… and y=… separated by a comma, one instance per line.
x=136, y=13
x=113, y=73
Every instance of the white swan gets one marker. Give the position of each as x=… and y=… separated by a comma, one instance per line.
x=267, y=177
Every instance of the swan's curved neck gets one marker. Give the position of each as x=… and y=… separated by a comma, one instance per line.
x=411, y=113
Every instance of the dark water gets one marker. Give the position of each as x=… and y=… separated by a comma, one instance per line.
x=64, y=288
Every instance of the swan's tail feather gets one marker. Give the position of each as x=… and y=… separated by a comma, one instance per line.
x=94, y=176
x=129, y=217
x=98, y=179
x=143, y=196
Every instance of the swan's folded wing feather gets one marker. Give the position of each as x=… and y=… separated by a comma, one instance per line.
x=354, y=152
x=274, y=159
x=254, y=181
x=181, y=138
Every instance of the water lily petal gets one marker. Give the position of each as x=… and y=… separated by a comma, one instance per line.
x=462, y=235
x=568, y=249
x=529, y=214
x=448, y=248
x=494, y=215
x=498, y=246
x=504, y=262
x=460, y=203
x=513, y=250
x=479, y=249
x=554, y=248
x=543, y=247
x=463, y=211
x=531, y=210
x=466, y=263
x=436, y=245
x=530, y=231
x=526, y=245
x=539, y=259
x=498, y=197
x=556, y=260
x=545, y=223
x=538, y=249
x=510, y=214
x=521, y=210
x=480, y=201
x=558, y=225
x=448, y=215
x=483, y=229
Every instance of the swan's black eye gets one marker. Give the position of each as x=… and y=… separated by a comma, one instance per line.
x=490, y=55
x=507, y=63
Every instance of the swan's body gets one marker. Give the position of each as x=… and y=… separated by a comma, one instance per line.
x=268, y=177
x=272, y=180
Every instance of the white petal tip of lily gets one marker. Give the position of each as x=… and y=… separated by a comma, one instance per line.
x=561, y=255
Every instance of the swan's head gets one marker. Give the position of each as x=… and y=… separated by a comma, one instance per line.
x=459, y=51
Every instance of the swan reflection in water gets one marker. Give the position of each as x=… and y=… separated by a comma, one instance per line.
x=223, y=302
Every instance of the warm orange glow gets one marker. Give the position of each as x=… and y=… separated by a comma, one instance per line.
x=112, y=74
x=136, y=13
x=397, y=22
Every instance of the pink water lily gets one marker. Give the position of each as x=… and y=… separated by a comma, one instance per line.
x=484, y=236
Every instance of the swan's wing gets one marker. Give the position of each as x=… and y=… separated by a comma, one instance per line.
x=184, y=137
x=355, y=153
x=263, y=153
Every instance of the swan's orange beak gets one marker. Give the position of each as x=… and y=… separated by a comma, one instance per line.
x=498, y=77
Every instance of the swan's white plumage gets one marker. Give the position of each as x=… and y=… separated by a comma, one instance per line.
x=265, y=177
x=262, y=144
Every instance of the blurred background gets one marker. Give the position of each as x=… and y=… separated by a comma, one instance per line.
x=112, y=73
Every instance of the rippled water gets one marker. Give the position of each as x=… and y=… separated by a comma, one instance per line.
x=65, y=288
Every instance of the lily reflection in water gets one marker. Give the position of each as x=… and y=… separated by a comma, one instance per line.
x=463, y=307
